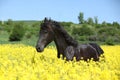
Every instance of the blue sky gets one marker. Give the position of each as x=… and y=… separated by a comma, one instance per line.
x=60, y=10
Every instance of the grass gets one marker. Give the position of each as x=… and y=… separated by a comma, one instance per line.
x=4, y=39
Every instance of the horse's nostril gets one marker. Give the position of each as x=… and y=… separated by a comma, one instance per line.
x=39, y=49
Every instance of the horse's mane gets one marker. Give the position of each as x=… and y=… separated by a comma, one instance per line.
x=67, y=37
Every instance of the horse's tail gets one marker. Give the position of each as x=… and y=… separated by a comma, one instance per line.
x=97, y=47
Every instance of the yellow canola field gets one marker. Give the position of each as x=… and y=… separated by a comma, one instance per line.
x=20, y=62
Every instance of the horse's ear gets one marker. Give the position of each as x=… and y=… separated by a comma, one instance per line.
x=45, y=20
x=50, y=20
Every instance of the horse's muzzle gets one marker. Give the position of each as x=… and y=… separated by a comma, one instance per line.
x=39, y=49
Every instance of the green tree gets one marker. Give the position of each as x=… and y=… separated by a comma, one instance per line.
x=9, y=22
x=17, y=32
x=90, y=21
x=0, y=22
x=81, y=18
x=8, y=25
x=104, y=24
x=116, y=24
x=96, y=20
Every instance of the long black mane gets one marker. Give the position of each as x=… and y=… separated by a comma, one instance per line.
x=67, y=37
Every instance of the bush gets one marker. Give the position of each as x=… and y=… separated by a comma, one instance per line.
x=28, y=35
x=108, y=31
x=109, y=41
x=17, y=32
x=66, y=26
x=83, y=31
x=92, y=38
x=82, y=38
x=105, y=32
x=8, y=28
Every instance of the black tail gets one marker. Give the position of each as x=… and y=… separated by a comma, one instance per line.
x=98, y=48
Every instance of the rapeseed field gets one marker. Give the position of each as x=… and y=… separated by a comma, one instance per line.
x=20, y=62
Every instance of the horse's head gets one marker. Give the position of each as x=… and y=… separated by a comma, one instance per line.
x=46, y=35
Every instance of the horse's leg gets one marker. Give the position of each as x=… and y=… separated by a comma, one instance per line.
x=63, y=56
x=58, y=55
x=78, y=54
x=96, y=57
x=97, y=47
x=69, y=53
x=95, y=54
x=78, y=58
x=90, y=52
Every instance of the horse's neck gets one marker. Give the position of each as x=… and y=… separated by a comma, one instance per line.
x=61, y=43
x=63, y=40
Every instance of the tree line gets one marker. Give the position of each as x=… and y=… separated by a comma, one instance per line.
x=91, y=30
x=85, y=30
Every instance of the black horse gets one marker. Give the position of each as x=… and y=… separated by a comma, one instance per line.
x=52, y=31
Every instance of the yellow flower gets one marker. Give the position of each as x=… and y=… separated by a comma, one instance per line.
x=20, y=62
